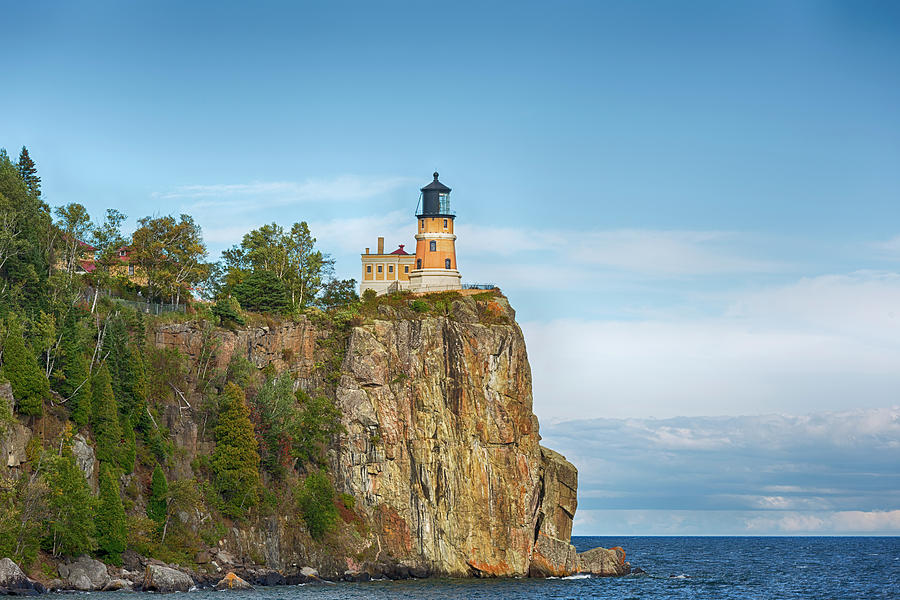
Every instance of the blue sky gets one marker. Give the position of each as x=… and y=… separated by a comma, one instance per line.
x=693, y=206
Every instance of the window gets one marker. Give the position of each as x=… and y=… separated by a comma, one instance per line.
x=432, y=245
x=422, y=224
x=446, y=263
x=418, y=263
x=445, y=223
x=379, y=268
x=406, y=269
x=368, y=268
x=131, y=269
x=390, y=268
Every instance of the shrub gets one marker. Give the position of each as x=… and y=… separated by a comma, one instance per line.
x=315, y=499
x=419, y=306
x=228, y=310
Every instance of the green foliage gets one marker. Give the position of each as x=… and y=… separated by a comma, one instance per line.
x=128, y=450
x=276, y=417
x=315, y=499
x=22, y=503
x=420, y=306
x=369, y=297
x=318, y=421
x=240, y=371
x=165, y=367
x=69, y=522
x=28, y=172
x=125, y=367
x=262, y=291
x=105, y=418
x=290, y=256
x=109, y=520
x=30, y=386
x=75, y=384
x=25, y=223
x=235, y=461
x=170, y=255
x=228, y=310
x=159, y=492
x=337, y=293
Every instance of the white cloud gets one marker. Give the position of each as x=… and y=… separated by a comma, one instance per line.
x=820, y=343
x=662, y=253
x=888, y=248
x=851, y=521
x=345, y=187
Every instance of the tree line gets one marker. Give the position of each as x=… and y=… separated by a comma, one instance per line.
x=70, y=354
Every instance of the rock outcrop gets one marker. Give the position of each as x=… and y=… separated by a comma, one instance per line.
x=442, y=445
x=441, y=448
x=158, y=578
x=14, y=582
x=84, y=574
x=14, y=436
x=233, y=582
x=603, y=562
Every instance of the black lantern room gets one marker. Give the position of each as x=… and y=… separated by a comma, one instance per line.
x=436, y=200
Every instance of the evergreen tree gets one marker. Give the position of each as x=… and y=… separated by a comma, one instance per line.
x=262, y=291
x=159, y=492
x=105, y=418
x=28, y=173
x=75, y=384
x=110, y=518
x=70, y=528
x=235, y=461
x=125, y=368
x=128, y=450
x=30, y=386
x=24, y=243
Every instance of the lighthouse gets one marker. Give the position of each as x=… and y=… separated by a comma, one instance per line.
x=435, y=267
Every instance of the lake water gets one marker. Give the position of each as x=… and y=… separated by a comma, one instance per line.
x=764, y=568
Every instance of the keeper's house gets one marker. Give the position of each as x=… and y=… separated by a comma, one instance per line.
x=433, y=267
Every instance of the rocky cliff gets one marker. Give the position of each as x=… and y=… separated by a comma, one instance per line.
x=440, y=449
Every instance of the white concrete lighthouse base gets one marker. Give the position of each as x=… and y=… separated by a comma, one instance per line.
x=434, y=280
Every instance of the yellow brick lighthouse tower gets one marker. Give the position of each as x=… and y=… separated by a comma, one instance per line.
x=435, y=267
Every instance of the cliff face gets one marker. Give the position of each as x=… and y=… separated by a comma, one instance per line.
x=441, y=446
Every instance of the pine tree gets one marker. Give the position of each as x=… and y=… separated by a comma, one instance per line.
x=159, y=492
x=105, y=418
x=70, y=528
x=30, y=386
x=128, y=450
x=75, y=384
x=235, y=461
x=110, y=518
x=28, y=172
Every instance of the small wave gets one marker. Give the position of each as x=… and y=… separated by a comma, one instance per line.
x=682, y=576
x=579, y=576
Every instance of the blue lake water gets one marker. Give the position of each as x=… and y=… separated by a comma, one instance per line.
x=764, y=568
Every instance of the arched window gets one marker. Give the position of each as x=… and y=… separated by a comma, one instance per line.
x=418, y=263
x=432, y=245
x=446, y=263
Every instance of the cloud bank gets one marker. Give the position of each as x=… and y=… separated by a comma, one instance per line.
x=826, y=472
